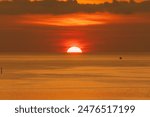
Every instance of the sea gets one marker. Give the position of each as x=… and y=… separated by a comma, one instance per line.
x=75, y=76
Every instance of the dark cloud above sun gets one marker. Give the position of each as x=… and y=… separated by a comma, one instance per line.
x=71, y=6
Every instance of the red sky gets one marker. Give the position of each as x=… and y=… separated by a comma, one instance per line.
x=94, y=33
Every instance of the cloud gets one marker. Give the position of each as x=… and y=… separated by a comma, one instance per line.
x=55, y=7
x=63, y=20
x=82, y=19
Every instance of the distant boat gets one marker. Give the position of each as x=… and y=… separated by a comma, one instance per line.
x=1, y=70
x=120, y=58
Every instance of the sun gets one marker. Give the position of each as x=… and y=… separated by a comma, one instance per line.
x=74, y=49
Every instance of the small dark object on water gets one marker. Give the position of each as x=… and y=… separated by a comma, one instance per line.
x=1, y=70
x=120, y=58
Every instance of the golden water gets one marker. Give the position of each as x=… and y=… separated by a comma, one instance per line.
x=102, y=76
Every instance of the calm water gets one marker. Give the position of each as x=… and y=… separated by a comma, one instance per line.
x=75, y=76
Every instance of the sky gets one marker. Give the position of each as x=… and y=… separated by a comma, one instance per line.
x=93, y=33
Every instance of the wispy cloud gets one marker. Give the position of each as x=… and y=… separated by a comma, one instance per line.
x=64, y=20
x=79, y=19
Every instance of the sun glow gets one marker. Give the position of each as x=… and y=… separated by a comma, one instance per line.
x=74, y=49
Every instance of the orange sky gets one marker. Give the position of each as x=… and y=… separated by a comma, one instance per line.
x=93, y=33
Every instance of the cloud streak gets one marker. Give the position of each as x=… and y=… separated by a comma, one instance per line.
x=64, y=20
x=80, y=19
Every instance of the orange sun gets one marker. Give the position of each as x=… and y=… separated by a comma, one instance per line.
x=74, y=49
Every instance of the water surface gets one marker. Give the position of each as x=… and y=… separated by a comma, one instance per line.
x=105, y=76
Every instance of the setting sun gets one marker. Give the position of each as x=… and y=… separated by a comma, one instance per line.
x=74, y=49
